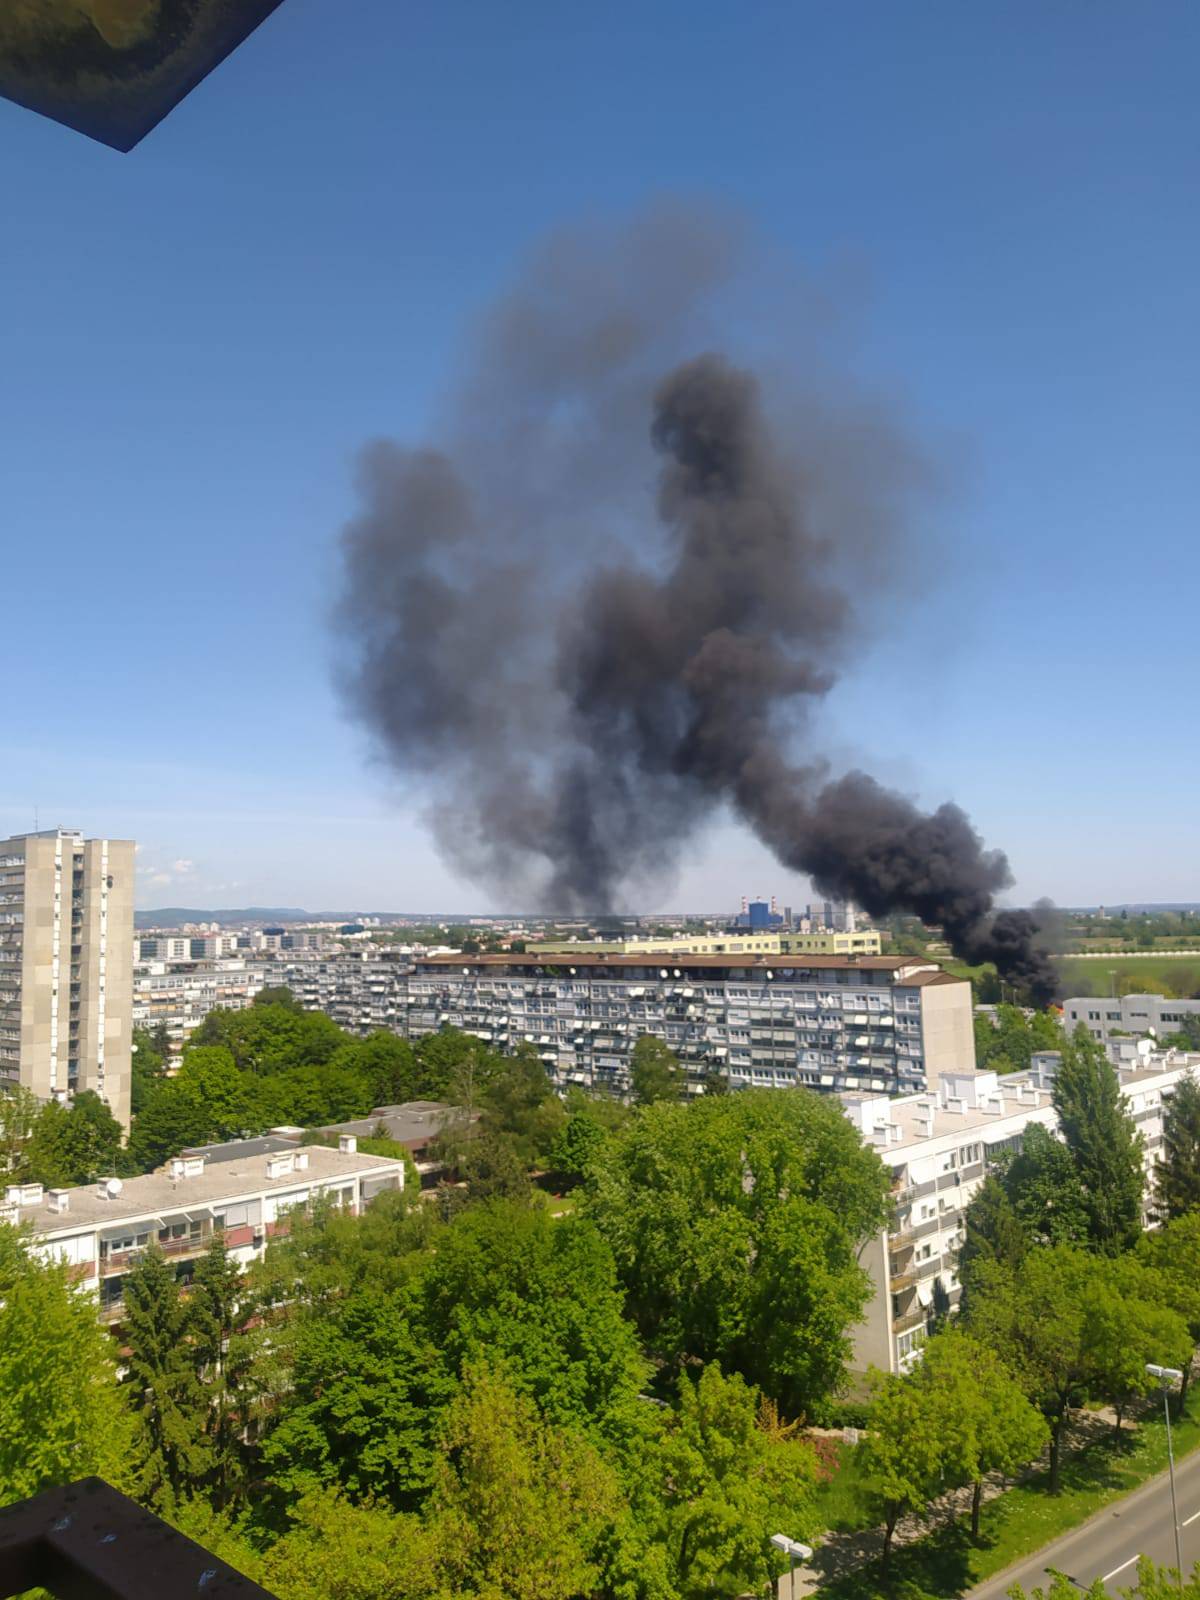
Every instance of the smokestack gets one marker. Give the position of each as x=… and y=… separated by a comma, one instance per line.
x=590, y=676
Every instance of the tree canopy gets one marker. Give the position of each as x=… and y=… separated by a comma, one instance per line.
x=736, y=1223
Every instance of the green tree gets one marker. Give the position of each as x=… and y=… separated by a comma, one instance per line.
x=520, y=1104
x=991, y=1232
x=341, y=1550
x=61, y=1416
x=491, y=1167
x=387, y=1064
x=736, y=1223
x=900, y=1462
x=172, y=1118
x=727, y=1484
x=1035, y=1319
x=359, y=1401
x=74, y=1144
x=223, y=1353
x=1125, y=1327
x=232, y=1099
x=1043, y=1186
x=654, y=1072
x=1172, y=1255
x=1104, y=1142
x=939, y=1307
x=1177, y=1171
x=18, y=1114
x=1188, y=1037
x=165, y=1396
x=277, y=995
x=989, y=1425
x=578, y=1146
x=539, y=1297
x=147, y=1066
x=521, y=1509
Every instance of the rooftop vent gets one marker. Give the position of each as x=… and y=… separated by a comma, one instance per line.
x=278, y=1166
x=24, y=1194
x=187, y=1166
x=58, y=1199
x=347, y=1144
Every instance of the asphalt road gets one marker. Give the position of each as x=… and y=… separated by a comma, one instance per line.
x=1108, y=1546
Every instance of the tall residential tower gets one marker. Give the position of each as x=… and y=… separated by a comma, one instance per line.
x=66, y=965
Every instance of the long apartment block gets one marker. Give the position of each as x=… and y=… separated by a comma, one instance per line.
x=101, y=1230
x=66, y=963
x=178, y=996
x=884, y=1024
x=939, y=1147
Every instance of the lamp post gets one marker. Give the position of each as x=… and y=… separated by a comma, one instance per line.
x=1166, y=1377
x=795, y=1551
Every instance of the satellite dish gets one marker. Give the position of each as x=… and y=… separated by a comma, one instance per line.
x=113, y=1187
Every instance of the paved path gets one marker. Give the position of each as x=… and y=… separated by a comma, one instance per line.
x=1109, y=1545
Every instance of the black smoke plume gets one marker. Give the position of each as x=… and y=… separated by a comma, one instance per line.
x=586, y=648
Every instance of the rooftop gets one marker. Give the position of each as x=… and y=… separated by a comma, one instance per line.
x=267, y=1144
x=805, y=962
x=415, y=1122
x=161, y=1191
x=960, y=1103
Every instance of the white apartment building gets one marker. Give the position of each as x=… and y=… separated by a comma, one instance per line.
x=938, y=1147
x=66, y=959
x=179, y=996
x=1135, y=1014
x=883, y=1024
x=101, y=1230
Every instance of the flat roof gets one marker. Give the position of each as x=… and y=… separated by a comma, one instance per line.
x=158, y=1193
x=806, y=961
x=910, y=1113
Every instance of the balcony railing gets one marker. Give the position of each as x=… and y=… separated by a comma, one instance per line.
x=122, y=1260
x=87, y=1542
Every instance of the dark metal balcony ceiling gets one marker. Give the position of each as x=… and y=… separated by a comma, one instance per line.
x=113, y=69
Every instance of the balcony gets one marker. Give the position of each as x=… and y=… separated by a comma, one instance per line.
x=173, y=1249
x=908, y=1320
x=87, y=1542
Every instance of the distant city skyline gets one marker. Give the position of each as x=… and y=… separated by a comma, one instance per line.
x=999, y=204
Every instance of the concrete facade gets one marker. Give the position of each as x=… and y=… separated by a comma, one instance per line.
x=66, y=964
x=888, y=1024
x=1128, y=1013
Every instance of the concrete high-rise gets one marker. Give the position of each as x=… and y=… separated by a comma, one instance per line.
x=66, y=965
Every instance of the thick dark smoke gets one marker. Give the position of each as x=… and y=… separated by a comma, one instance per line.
x=587, y=649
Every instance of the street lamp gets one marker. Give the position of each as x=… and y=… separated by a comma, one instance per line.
x=795, y=1551
x=1166, y=1377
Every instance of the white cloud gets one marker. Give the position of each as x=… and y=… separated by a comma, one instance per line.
x=182, y=867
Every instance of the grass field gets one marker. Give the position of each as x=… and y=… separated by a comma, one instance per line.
x=1015, y=1524
x=1181, y=974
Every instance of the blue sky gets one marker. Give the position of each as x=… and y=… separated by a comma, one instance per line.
x=196, y=337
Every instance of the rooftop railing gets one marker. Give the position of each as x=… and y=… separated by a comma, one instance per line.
x=88, y=1542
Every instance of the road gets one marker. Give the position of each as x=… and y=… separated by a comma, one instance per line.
x=1109, y=1545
